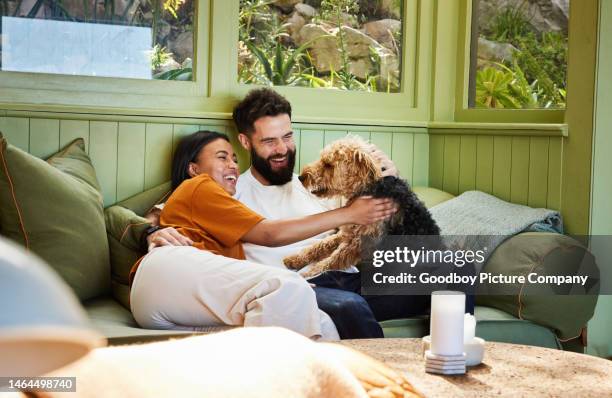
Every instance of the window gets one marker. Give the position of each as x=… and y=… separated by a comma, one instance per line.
x=142, y=39
x=518, y=54
x=328, y=44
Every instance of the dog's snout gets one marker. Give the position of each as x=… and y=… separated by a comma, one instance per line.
x=301, y=178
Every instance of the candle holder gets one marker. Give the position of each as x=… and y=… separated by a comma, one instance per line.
x=446, y=355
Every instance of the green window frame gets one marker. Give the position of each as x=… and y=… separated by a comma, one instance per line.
x=335, y=106
x=49, y=92
x=463, y=113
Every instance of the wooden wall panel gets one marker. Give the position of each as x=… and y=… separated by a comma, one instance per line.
x=158, y=154
x=538, y=171
x=44, y=137
x=383, y=140
x=451, y=164
x=130, y=159
x=70, y=130
x=402, y=154
x=555, y=167
x=311, y=143
x=436, y=161
x=467, y=162
x=484, y=164
x=103, y=154
x=502, y=167
x=16, y=130
x=181, y=130
x=519, y=178
x=420, y=168
x=333, y=135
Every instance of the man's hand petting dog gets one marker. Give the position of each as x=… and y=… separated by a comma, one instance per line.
x=366, y=210
x=167, y=237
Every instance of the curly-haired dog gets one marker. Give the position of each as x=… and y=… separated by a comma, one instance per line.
x=347, y=169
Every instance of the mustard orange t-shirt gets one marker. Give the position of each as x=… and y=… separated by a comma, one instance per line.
x=203, y=211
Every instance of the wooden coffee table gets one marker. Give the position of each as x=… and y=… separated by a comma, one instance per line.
x=508, y=370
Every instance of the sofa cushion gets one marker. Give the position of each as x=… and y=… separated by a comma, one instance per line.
x=548, y=254
x=431, y=196
x=55, y=209
x=492, y=325
x=125, y=227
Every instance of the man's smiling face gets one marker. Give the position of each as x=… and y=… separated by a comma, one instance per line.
x=273, y=149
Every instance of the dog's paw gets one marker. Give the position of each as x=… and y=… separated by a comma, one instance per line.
x=293, y=262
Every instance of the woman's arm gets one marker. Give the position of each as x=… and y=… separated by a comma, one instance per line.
x=362, y=211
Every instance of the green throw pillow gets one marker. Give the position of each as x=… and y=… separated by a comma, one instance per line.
x=125, y=228
x=544, y=254
x=431, y=196
x=55, y=209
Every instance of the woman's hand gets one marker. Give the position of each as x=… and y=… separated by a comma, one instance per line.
x=367, y=210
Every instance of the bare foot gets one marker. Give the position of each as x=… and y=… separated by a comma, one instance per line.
x=379, y=380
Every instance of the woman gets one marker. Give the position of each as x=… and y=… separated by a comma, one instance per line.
x=210, y=283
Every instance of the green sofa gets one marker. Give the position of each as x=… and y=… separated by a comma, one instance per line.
x=124, y=227
x=54, y=207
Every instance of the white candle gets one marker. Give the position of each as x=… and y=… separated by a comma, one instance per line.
x=447, y=316
x=469, y=328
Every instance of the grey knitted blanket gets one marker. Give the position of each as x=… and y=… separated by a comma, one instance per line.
x=475, y=219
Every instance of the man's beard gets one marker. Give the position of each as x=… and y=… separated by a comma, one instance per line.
x=274, y=177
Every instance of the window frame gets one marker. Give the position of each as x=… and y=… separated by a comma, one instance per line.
x=463, y=113
x=337, y=106
x=114, y=95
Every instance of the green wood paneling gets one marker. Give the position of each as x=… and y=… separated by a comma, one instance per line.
x=333, y=135
x=402, y=154
x=451, y=164
x=436, y=161
x=484, y=164
x=467, y=160
x=555, y=167
x=130, y=159
x=158, y=154
x=502, y=167
x=44, y=137
x=383, y=140
x=70, y=130
x=538, y=171
x=519, y=178
x=181, y=130
x=16, y=130
x=420, y=169
x=103, y=154
x=363, y=134
x=311, y=143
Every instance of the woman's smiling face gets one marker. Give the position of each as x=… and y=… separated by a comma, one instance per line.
x=218, y=160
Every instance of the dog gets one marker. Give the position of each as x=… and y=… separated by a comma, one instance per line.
x=347, y=169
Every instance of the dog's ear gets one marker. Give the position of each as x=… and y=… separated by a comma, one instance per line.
x=367, y=164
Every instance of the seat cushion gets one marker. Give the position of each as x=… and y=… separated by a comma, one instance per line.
x=118, y=325
x=492, y=325
x=431, y=196
x=55, y=209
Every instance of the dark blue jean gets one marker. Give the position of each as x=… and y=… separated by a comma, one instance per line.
x=357, y=316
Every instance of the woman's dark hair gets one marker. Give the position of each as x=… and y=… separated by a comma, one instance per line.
x=187, y=151
x=259, y=103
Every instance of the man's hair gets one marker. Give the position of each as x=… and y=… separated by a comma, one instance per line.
x=259, y=103
x=187, y=151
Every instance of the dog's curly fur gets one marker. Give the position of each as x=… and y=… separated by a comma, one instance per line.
x=347, y=169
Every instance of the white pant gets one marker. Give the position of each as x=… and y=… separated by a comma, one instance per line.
x=181, y=287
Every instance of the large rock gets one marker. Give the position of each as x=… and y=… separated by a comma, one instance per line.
x=390, y=73
x=390, y=9
x=494, y=51
x=323, y=48
x=383, y=30
x=182, y=46
x=286, y=5
x=294, y=24
x=543, y=15
x=305, y=10
x=356, y=43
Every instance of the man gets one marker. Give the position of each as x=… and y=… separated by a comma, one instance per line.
x=269, y=187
